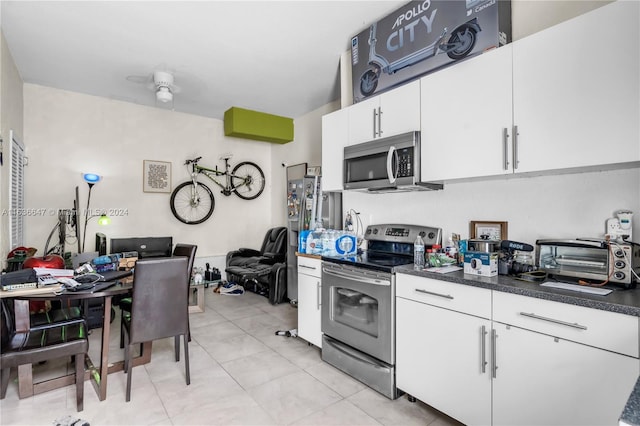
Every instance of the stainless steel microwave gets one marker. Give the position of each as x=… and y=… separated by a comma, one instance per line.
x=385, y=165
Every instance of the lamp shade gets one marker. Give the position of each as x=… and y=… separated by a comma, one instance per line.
x=104, y=220
x=91, y=177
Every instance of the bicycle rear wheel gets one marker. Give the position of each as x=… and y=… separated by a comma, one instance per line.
x=190, y=204
x=247, y=180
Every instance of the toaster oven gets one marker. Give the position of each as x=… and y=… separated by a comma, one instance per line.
x=593, y=260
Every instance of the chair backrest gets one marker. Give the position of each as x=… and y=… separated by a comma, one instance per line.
x=7, y=324
x=275, y=241
x=160, y=304
x=188, y=250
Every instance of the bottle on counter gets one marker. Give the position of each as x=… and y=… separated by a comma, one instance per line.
x=418, y=253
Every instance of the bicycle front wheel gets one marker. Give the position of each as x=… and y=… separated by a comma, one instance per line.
x=192, y=204
x=247, y=180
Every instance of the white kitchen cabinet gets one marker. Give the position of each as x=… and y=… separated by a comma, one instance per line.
x=335, y=131
x=564, y=98
x=466, y=118
x=576, y=91
x=390, y=113
x=561, y=364
x=309, y=299
x=491, y=357
x=440, y=358
x=543, y=380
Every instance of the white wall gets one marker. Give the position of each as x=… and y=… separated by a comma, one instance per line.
x=563, y=206
x=67, y=133
x=306, y=148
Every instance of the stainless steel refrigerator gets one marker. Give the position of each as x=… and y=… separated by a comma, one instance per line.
x=307, y=207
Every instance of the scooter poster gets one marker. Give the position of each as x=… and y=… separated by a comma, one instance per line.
x=423, y=36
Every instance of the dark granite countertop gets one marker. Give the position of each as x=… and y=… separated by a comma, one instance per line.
x=631, y=413
x=621, y=300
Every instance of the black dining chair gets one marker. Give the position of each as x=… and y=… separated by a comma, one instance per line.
x=187, y=250
x=159, y=308
x=47, y=341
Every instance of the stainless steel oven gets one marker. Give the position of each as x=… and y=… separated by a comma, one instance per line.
x=358, y=304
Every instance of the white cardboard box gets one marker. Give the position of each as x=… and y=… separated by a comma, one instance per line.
x=481, y=263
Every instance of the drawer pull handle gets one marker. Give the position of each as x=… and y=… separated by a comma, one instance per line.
x=555, y=321
x=307, y=267
x=446, y=296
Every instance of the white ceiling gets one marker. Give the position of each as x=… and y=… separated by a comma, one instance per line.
x=280, y=57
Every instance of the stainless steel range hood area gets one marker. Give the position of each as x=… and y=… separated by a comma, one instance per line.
x=389, y=164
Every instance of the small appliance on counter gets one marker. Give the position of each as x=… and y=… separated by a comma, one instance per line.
x=600, y=261
x=515, y=258
x=481, y=257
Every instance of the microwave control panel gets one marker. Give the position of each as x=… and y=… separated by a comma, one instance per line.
x=405, y=162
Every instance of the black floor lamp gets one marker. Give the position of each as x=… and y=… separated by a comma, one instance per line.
x=92, y=179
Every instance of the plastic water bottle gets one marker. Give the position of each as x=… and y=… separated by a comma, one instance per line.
x=418, y=253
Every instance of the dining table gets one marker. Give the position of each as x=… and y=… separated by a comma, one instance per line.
x=96, y=373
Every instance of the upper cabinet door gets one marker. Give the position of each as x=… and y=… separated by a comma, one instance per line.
x=576, y=89
x=391, y=113
x=466, y=118
x=335, y=129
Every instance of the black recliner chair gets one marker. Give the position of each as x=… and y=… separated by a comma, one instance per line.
x=262, y=271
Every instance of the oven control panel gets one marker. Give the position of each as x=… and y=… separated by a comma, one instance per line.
x=397, y=232
x=403, y=233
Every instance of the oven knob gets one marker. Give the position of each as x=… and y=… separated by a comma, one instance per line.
x=618, y=253
x=422, y=234
x=368, y=231
x=620, y=264
x=619, y=275
x=432, y=235
x=375, y=231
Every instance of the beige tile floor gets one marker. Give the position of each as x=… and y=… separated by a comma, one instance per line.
x=241, y=374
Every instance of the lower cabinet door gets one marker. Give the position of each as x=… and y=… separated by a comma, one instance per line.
x=309, y=311
x=442, y=358
x=543, y=380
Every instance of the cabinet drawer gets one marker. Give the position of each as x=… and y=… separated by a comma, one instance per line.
x=607, y=330
x=457, y=297
x=310, y=266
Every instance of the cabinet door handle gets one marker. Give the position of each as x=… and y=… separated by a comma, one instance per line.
x=515, y=147
x=505, y=148
x=375, y=119
x=446, y=296
x=555, y=321
x=494, y=364
x=307, y=267
x=379, y=121
x=318, y=294
x=483, y=349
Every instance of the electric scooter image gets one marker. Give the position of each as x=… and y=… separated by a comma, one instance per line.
x=459, y=45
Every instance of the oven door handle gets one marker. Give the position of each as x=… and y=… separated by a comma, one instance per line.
x=351, y=353
x=358, y=277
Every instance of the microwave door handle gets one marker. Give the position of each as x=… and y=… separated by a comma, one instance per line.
x=391, y=166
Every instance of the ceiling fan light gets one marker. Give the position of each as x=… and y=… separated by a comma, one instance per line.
x=164, y=95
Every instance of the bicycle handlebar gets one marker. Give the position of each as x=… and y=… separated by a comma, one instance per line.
x=195, y=160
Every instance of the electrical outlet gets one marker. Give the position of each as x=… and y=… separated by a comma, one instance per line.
x=613, y=227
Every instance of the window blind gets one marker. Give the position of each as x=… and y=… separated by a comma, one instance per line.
x=16, y=203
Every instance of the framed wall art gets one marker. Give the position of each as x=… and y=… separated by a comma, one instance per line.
x=487, y=230
x=156, y=176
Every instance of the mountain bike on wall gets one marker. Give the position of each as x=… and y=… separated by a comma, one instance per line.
x=192, y=202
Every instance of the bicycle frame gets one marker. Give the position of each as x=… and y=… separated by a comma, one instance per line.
x=212, y=174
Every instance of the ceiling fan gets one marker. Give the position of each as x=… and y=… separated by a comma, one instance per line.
x=161, y=82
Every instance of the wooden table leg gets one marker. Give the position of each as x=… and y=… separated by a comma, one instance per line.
x=25, y=381
x=199, y=307
x=104, y=351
